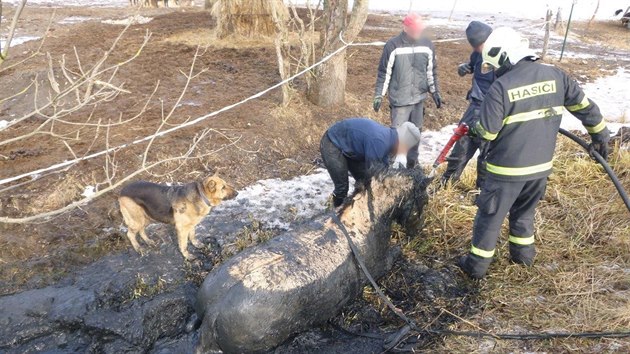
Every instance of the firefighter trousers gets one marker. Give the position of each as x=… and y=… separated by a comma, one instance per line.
x=498, y=199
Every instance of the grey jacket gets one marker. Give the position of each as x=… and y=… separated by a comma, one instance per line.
x=407, y=70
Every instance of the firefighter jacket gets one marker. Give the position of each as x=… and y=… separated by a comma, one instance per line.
x=521, y=116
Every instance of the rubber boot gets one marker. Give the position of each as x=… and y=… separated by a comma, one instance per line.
x=337, y=201
x=522, y=254
x=474, y=266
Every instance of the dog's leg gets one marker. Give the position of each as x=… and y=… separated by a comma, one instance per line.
x=192, y=237
x=146, y=238
x=133, y=215
x=183, y=226
x=131, y=235
x=182, y=240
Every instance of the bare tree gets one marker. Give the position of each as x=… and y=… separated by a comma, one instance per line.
x=293, y=61
x=547, y=33
x=109, y=180
x=594, y=14
x=557, y=25
x=83, y=88
x=16, y=17
x=450, y=16
x=329, y=83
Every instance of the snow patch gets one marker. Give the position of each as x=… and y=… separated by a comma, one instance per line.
x=75, y=19
x=612, y=95
x=134, y=20
x=432, y=143
x=279, y=203
x=19, y=40
x=4, y=124
x=89, y=191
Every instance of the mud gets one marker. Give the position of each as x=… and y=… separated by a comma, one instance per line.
x=127, y=303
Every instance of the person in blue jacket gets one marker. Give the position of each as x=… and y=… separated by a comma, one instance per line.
x=477, y=33
x=362, y=146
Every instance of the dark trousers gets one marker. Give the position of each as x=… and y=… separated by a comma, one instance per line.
x=412, y=113
x=464, y=150
x=338, y=167
x=497, y=199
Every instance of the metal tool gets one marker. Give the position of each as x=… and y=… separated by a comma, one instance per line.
x=458, y=133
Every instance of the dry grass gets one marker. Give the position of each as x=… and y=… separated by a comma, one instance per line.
x=207, y=37
x=610, y=34
x=581, y=279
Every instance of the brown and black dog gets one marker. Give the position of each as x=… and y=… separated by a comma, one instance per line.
x=183, y=206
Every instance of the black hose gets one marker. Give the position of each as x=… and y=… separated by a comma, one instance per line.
x=602, y=161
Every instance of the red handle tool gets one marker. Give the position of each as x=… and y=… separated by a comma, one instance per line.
x=458, y=133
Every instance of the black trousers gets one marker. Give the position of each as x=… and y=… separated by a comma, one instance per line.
x=464, y=150
x=338, y=166
x=412, y=113
x=497, y=199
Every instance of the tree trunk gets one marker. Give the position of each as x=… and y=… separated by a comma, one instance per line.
x=329, y=83
x=558, y=26
x=247, y=18
x=450, y=17
x=283, y=51
x=547, y=30
x=594, y=14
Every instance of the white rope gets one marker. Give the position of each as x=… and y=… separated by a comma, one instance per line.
x=202, y=118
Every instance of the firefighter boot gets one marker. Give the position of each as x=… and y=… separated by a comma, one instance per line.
x=475, y=266
x=522, y=254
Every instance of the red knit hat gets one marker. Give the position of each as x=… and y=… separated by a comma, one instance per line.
x=414, y=22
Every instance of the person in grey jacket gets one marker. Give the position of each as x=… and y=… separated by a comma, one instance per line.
x=407, y=72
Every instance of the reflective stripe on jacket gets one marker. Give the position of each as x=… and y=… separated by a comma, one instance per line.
x=407, y=70
x=521, y=115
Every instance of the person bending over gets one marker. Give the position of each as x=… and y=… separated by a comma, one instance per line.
x=361, y=146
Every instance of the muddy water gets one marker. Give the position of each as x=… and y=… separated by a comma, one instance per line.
x=128, y=303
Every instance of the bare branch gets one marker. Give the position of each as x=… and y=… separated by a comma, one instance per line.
x=78, y=203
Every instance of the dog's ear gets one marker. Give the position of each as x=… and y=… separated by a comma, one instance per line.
x=211, y=186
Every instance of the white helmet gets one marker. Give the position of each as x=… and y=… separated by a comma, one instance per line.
x=505, y=43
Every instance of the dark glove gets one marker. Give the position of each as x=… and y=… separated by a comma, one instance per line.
x=376, y=104
x=472, y=129
x=599, y=143
x=437, y=99
x=464, y=69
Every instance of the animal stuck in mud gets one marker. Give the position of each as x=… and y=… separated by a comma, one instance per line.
x=264, y=295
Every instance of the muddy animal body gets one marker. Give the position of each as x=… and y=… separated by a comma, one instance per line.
x=263, y=296
x=183, y=206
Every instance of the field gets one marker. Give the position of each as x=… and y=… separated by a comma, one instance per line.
x=580, y=281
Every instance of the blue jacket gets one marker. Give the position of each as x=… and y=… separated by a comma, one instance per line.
x=362, y=139
x=481, y=82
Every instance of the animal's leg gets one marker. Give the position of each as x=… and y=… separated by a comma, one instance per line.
x=183, y=230
x=146, y=238
x=192, y=237
x=133, y=215
x=131, y=235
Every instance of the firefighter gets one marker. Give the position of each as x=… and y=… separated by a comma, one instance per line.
x=361, y=147
x=520, y=117
x=465, y=148
x=407, y=73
